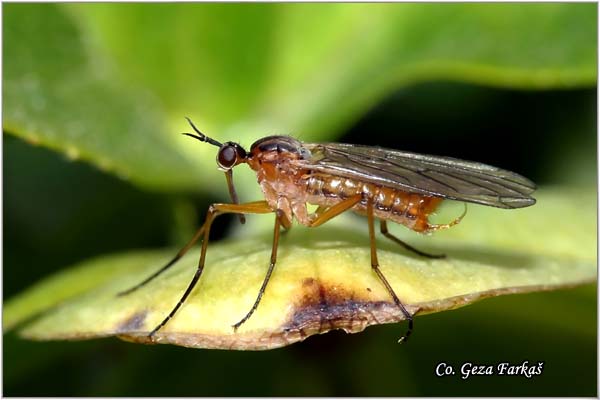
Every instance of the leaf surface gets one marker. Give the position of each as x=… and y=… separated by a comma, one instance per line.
x=57, y=95
x=322, y=281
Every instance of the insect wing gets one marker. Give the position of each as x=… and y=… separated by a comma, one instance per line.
x=429, y=175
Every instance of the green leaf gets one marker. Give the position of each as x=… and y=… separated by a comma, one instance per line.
x=323, y=279
x=310, y=67
x=111, y=83
x=71, y=282
x=56, y=95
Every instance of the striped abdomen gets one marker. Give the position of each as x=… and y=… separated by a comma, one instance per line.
x=409, y=209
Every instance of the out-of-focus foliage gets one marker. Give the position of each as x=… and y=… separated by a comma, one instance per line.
x=110, y=84
x=243, y=70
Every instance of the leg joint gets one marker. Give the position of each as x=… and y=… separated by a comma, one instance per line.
x=213, y=208
x=383, y=227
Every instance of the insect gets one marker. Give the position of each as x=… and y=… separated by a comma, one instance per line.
x=383, y=184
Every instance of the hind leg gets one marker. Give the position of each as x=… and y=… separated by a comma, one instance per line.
x=384, y=230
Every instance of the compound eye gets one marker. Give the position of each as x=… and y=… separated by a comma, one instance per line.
x=227, y=157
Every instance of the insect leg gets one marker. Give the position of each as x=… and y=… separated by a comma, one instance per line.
x=324, y=214
x=179, y=254
x=375, y=266
x=285, y=223
x=233, y=193
x=280, y=219
x=384, y=230
x=437, y=227
x=257, y=207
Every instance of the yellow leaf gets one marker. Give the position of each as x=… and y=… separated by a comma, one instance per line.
x=323, y=279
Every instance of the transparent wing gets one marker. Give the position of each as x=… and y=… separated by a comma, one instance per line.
x=429, y=175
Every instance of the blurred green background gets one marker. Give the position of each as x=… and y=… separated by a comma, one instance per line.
x=95, y=94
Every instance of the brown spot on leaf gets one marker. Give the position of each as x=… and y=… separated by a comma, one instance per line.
x=308, y=282
x=324, y=307
x=133, y=323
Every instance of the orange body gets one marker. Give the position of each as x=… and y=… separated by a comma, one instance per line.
x=290, y=188
x=409, y=209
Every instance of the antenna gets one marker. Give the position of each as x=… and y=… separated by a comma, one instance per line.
x=201, y=136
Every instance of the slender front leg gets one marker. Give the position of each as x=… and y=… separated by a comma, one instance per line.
x=257, y=207
x=375, y=266
x=280, y=219
x=180, y=254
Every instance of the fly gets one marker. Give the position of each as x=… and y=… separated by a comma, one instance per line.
x=383, y=184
